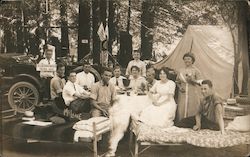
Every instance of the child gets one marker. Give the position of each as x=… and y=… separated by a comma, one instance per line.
x=117, y=80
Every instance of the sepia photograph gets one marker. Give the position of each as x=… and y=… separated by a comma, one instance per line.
x=124, y=78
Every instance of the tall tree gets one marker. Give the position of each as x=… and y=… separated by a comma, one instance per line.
x=19, y=29
x=96, y=19
x=229, y=12
x=147, y=25
x=64, y=28
x=83, y=29
x=111, y=24
x=243, y=43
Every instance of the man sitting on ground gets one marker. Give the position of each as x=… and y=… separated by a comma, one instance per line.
x=210, y=113
x=56, y=86
x=75, y=97
x=103, y=94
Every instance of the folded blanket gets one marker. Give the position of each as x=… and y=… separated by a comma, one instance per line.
x=88, y=135
x=87, y=125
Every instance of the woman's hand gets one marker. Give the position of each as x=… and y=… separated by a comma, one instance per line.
x=182, y=90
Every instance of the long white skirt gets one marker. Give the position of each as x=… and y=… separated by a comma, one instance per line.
x=161, y=116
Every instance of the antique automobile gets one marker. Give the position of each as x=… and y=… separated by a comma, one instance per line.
x=22, y=83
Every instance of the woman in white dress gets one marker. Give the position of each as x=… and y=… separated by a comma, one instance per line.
x=162, y=111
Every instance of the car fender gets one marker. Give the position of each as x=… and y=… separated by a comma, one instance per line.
x=29, y=78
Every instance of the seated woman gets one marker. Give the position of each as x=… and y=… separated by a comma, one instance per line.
x=162, y=112
x=137, y=82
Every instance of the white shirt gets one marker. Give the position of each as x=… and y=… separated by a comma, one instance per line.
x=44, y=74
x=118, y=80
x=70, y=89
x=140, y=64
x=84, y=79
x=136, y=83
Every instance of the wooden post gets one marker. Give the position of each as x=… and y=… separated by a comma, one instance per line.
x=95, y=140
x=136, y=148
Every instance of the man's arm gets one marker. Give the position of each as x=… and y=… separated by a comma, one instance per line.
x=128, y=69
x=57, y=86
x=219, y=117
x=197, y=122
x=143, y=69
x=83, y=94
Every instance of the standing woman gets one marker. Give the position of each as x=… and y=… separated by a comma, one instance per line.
x=188, y=81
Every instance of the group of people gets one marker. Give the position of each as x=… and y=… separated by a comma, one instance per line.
x=197, y=105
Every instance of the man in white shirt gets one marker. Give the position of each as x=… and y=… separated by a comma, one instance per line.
x=136, y=62
x=85, y=79
x=117, y=80
x=46, y=76
x=75, y=97
x=47, y=61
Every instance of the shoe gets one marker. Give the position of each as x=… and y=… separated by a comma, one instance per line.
x=110, y=154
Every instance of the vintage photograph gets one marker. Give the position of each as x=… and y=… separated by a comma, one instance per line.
x=125, y=78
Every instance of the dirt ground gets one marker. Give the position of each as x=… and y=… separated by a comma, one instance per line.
x=21, y=149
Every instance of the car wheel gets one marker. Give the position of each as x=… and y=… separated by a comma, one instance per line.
x=23, y=96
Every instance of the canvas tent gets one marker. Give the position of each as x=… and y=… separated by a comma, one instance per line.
x=213, y=49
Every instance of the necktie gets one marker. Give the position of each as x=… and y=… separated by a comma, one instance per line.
x=117, y=82
x=49, y=61
x=74, y=86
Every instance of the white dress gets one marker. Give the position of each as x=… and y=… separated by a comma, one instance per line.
x=163, y=115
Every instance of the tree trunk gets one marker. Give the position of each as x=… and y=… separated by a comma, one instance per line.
x=9, y=40
x=83, y=29
x=129, y=13
x=64, y=29
x=19, y=32
x=147, y=24
x=112, y=31
x=243, y=47
x=236, y=65
x=96, y=42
